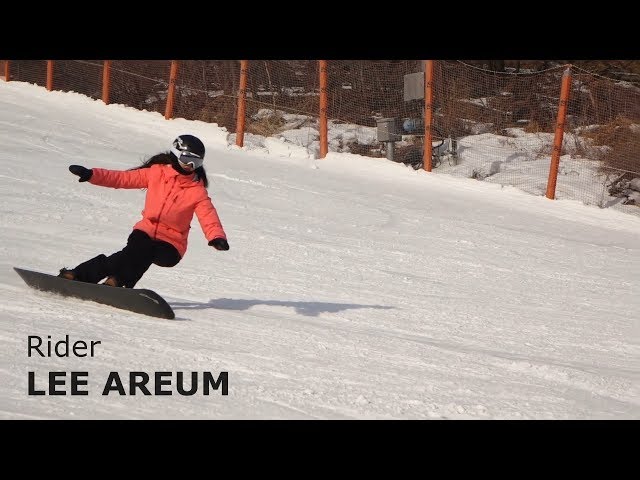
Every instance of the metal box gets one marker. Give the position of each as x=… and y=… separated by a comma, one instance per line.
x=389, y=130
x=414, y=86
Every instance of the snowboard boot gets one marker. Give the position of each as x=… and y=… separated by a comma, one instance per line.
x=68, y=274
x=111, y=281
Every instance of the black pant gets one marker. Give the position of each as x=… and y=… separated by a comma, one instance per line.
x=129, y=264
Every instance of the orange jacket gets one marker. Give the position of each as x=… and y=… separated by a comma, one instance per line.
x=171, y=201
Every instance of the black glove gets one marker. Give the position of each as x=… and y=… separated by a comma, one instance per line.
x=83, y=173
x=219, y=244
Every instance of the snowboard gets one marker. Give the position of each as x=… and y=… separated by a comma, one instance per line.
x=136, y=300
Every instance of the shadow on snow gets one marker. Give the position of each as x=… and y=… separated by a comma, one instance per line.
x=305, y=308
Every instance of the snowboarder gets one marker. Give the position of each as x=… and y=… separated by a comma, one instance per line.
x=176, y=185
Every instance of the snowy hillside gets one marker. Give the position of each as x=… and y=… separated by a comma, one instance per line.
x=354, y=287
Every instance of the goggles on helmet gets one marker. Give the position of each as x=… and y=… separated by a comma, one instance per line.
x=187, y=159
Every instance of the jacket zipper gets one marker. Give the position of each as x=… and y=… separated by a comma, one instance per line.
x=155, y=233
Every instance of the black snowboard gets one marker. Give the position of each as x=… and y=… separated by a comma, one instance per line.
x=136, y=300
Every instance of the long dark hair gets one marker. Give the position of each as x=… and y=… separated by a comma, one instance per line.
x=166, y=158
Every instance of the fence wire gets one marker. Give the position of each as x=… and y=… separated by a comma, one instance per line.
x=491, y=126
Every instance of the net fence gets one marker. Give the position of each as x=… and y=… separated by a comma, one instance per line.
x=604, y=130
x=494, y=126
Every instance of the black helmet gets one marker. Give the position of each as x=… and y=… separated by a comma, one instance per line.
x=188, y=150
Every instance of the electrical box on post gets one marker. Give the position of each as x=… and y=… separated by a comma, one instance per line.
x=414, y=86
x=389, y=130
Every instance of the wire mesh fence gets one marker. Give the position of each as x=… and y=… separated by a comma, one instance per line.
x=282, y=96
x=29, y=71
x=604, y=121
x=361, y=94
x=488, y=125
x=207, y=91
x=140, y=84
x=503, y=123
x=80, y=76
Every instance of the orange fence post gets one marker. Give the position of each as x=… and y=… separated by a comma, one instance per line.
x=6, y=70
x=324, y=137
x=428, y=114
x=106, y=81
x=242, y=103
x=173, y=75
x=49, y=75
x=557, y=141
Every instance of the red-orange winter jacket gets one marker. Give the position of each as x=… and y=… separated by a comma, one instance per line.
x=171, y=201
